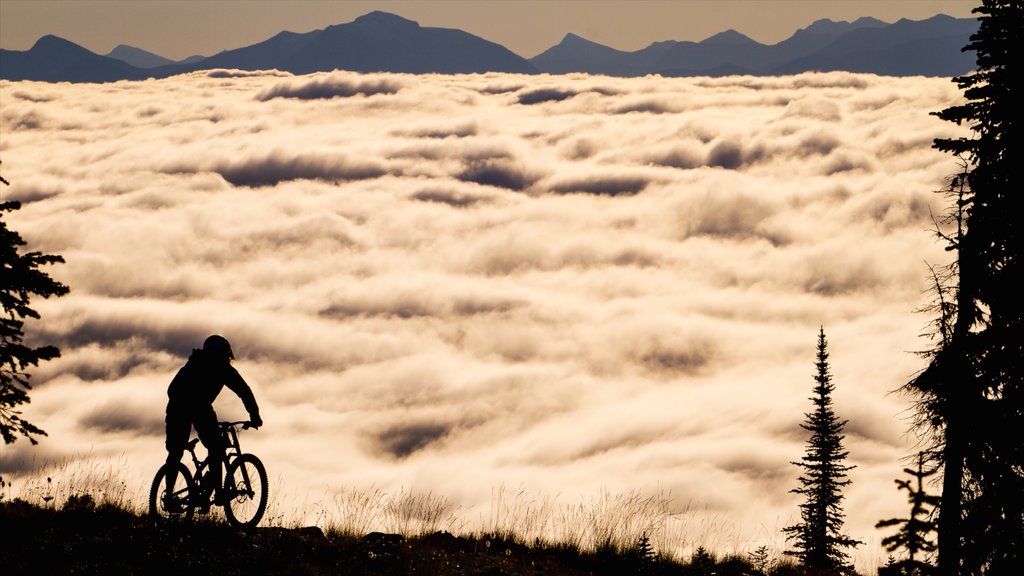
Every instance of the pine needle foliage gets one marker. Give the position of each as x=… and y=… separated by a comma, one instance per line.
x=818, y=540
x=20, y=279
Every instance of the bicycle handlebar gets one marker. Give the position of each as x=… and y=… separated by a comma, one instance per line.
x=245, y=424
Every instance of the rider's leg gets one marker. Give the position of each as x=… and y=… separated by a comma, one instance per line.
x=209, y=434
x=178, y=428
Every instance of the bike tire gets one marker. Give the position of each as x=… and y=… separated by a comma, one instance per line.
x=247, y=486
x=184, y=490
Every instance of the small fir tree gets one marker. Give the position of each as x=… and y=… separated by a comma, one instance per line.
x=915, y=531
x=760, y=560
x=818, y=539
x=645, y=554
x=702, y=562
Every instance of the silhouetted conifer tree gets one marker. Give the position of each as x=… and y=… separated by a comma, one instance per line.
x=702, y=562
x=760, y=560
x=818, y=539
x=645, y=555
x=915, y=531
x=971, y=406
x=20, y=280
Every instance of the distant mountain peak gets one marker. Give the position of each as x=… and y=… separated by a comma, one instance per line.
x=730, y=36
x=865, y=21
x=824, y=25
x=571, y=39
x=138, y=57
x=832, y=27
x=380, y=18
x=50, y=42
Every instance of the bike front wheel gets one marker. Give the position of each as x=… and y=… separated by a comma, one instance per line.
x=246, y=488
x=176, y=503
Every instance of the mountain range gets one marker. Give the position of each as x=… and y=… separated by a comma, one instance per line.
x=383, y=42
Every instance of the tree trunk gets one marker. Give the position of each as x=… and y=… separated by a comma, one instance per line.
x=950, y=507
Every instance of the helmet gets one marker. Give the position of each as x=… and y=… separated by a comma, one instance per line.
x=219, y=345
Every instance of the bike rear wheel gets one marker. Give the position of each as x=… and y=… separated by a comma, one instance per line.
x=246, y=487
x=177, y=504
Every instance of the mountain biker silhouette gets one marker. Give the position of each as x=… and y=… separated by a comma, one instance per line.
x=190, y=404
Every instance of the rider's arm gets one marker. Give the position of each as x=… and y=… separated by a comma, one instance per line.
x=234, y=381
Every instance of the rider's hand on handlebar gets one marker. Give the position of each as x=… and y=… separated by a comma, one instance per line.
x=254, y=422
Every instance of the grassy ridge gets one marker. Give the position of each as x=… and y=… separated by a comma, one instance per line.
x=605, y=521
x=81, y=537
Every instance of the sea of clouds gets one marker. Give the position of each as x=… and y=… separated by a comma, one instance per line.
x=452, y=284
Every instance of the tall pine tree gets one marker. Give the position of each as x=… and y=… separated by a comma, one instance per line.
x=818, y=538
x=971, y=395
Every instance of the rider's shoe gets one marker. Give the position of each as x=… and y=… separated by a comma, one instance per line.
x=221, y=497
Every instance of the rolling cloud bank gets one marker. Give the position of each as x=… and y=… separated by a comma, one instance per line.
x=452, y=284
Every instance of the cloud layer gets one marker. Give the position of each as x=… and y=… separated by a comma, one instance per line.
x=454, y=283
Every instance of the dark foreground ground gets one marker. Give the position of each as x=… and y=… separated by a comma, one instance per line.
x=82, y=538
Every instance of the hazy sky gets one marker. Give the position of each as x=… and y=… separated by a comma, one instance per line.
x=454, y=284
x=180, y=28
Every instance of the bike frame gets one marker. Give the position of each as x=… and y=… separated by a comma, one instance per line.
x=232, y=450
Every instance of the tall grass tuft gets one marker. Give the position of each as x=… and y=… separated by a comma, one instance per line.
x=607, y=522
x=103, y=482
x=409, y=513
x=518, y=516
x=356, y=512
x=618, y=521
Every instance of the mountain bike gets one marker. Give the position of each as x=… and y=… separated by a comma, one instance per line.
x=244, y=486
